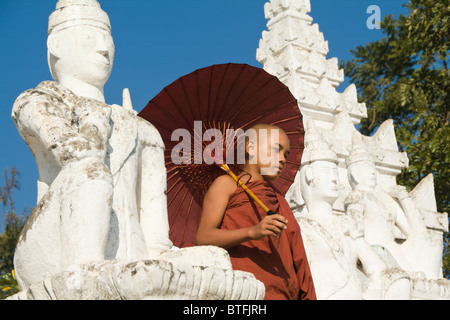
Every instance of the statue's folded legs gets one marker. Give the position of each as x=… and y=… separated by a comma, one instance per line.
x=79, y=199
x=86, y=206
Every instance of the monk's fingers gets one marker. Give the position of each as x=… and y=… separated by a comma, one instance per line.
x=279, y=217
x=275, y=228
x=279, y=226
x=279, y=221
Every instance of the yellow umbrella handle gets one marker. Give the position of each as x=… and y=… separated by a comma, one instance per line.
x=247, y=190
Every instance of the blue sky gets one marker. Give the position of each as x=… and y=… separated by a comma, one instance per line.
x=156, y=42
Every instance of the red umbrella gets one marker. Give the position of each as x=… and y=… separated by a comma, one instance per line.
x=227, y=97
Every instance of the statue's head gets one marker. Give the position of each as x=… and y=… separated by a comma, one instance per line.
x=80, y=44
x=319, y=177
x=361, y=168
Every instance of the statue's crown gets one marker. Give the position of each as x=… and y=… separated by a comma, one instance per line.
x=358, y=152
x=70, y=13
x=316, y=147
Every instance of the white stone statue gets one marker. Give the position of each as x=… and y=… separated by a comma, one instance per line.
x=317, y=182
x=385, y=213
x=294, y=50
x=101, y=215
x=335, y=244
x=101, y=168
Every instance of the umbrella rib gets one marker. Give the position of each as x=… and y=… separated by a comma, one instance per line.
x=255, y=76
x=187, y=218
x=256, y=92
x=287, y=119
x=242, y=92
x=172, y=175
x=220, y=86
x=180, y=204
x=267, y=111
x=164, y=111
x=173, y=218
x=209, y=93
x=183, y=114
x=173, y=186
x=293, y=132
x=199, y=107
x=231, y=88
x=186, y=96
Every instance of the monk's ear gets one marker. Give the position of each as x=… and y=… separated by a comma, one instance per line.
x=53, y=46
x=250, y=147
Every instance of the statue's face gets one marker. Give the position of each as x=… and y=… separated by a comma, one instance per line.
x=363, y=175
x=325, y=181
x=84, y=52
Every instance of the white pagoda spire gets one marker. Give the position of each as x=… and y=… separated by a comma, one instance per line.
x=294, y=50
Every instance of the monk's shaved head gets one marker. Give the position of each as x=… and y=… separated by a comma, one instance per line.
x=254, y=132
x=259, y=126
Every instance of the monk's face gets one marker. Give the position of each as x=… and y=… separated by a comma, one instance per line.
x=272, y=148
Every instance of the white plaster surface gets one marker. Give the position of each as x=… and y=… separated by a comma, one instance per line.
x=376, y=240
x=100, y=228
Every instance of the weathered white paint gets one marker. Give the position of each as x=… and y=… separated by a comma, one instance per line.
x=100, y=228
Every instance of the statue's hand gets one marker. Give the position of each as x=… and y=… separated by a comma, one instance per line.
x=398, y=192
x=77, y=148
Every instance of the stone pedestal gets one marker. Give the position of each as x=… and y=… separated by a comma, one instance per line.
x=175, y=276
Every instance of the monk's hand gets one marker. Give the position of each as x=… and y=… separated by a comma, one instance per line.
x=271, y=225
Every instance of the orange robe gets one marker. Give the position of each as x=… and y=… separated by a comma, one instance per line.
x=280, y=263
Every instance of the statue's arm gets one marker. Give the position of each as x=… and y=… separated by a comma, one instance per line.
x=409, y=220
x=153, y=185
x=42, y=120
x=354, y=205
x=354, y=209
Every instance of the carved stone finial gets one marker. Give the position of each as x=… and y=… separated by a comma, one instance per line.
x=70, y=13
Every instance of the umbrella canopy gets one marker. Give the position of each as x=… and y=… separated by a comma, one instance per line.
x=227, y=97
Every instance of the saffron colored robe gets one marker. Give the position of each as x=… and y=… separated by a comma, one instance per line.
x=280, y=263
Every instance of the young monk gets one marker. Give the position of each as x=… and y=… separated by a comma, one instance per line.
x=269, y=246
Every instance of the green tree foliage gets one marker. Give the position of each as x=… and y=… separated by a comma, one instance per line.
x=11, y=226
x=405, y=77
x=8, y=285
